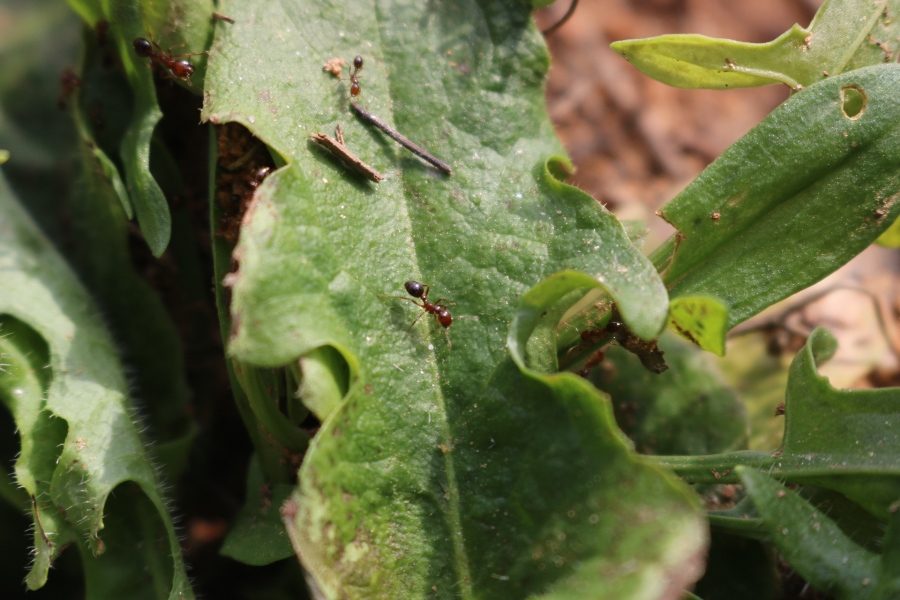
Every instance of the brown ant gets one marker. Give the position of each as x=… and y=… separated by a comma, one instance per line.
x=68, y=83
x=182, y=69
x=438, y=309
x=354, y=84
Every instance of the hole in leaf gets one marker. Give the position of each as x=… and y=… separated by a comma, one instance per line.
x=853, y=101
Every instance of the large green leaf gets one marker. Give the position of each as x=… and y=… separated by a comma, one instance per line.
x=844, y=35
x=445, y=470
x=806, y=190
x=79, y=438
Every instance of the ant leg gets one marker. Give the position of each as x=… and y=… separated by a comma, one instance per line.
x=416, y=320
x=203, y=52
x=447, y=336
x=407, y=298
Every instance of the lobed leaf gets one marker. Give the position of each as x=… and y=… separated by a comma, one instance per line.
x=841, y=440
x=846, y=440
x=83, y=437
x=443, y=470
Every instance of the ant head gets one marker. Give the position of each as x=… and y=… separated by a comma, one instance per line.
x=182, y=69
x=358, y=62
x=143, y=47
x=414, y=288
x=615, y=325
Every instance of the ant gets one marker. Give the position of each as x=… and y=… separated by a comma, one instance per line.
x=68, y=83
x=355, y=90
x=181, y=69
x=438, y=309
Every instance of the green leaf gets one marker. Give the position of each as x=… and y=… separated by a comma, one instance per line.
x=810, y=541
x=843, y=36
x=426, y=452
x=170, y=24
x=771, y=215
x=82, y=216
x=889, y=586
x=844, y=440
x=258, y=536
x=685, y=410
x=698, y=61
x=23, y=387
x=96, y=442
x=701, y=319
x=569, y=397
x=891, y=237
x=104, y=260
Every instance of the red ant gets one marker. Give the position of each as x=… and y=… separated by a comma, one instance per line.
x=181, y=69
x=354, y=91
x=438, y=309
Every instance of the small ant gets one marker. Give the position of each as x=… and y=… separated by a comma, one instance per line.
x=68, y=83
x=438, y=309
x=355, y=89
x=181, y=69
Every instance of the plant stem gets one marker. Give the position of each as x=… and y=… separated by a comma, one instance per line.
x=713, y=468
x=746, y=527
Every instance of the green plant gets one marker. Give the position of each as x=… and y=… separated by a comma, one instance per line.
x=413, y=462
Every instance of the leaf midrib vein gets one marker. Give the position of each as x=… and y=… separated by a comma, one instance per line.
x=452, y=514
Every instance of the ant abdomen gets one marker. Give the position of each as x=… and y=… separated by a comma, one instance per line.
x=444, y=317
x=181, y=69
